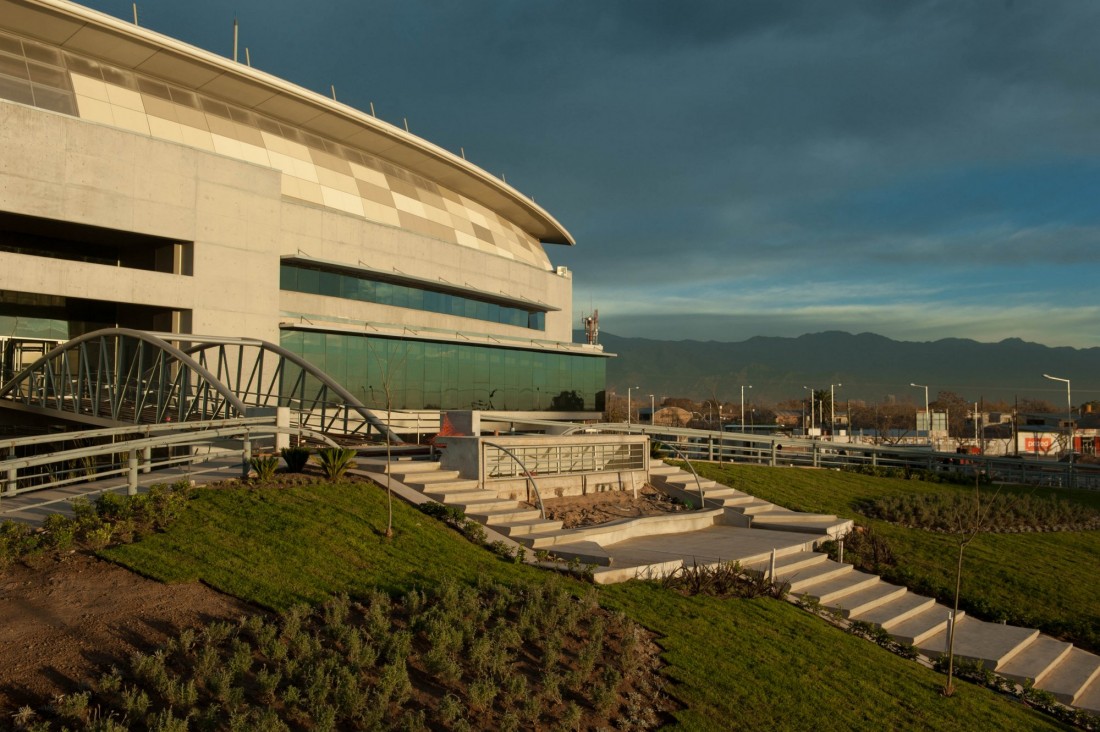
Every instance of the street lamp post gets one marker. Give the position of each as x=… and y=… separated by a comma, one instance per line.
x=832, y=411
x=628, y=390
x=811, y=407
x=927, y=414
x=1069, y=415
x=743, y=406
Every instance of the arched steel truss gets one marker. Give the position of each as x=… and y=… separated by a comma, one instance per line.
x=263, y=374
x=124, y=376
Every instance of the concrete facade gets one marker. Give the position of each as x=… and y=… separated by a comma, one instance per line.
x=107, y=128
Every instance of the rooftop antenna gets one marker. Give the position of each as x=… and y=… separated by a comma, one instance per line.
x=333, y=88
x=372, y=114
x=462, y=151
x=406, y=123
x=247, y=58
x=235, y=35
x=135, y=14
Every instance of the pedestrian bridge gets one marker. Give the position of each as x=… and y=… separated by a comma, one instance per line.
x=119, y=376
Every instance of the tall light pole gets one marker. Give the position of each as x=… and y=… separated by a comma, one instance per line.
x=1069, y=414
x=652, y=410
x=628, y=390
x=743, y=406
x=927, y=414
x=832, y=411
x=811, y=407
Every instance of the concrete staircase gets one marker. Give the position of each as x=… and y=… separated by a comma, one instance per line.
x=1070, y=674
x=512, y=518
x=762, y=514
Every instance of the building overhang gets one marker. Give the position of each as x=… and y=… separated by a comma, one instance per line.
x=90, y=33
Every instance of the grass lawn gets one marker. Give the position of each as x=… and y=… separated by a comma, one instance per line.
x=735, y=664
x=1045, y=580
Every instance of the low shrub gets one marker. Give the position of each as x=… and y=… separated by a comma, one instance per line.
x=265, y=466
x=335, y=461
x=296, y=458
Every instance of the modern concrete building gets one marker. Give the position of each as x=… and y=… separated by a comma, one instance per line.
x=148, y=184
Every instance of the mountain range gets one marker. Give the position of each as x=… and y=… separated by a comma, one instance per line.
x=867, y=367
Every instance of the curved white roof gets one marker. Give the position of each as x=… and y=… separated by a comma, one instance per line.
x=90, y=33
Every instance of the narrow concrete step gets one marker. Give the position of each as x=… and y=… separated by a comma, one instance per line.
x=1070, y=678
x=688, y=483
x=498, y=516
x=834, y=588
x=990, y=644
x=658, y=468
x=450, y=486
x=804, y=578
x=866, y=598
x=1036, y=661
x=752, y=507
x=548, y=539
x=408, y=467
x=895, y=611
x=785, y=516
x=514, y=529
x=446, y=494
x=425, y=478
x=918, y=628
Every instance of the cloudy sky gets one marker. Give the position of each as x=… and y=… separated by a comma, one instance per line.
x=729, y=169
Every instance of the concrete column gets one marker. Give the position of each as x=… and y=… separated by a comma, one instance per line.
x=817, y=457
x=282, y=420
x=132, y=483
x=147, y=459
x=774, y=454
x=11, y=482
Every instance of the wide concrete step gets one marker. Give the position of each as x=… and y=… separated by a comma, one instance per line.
x=865, y=598
x=1036, y=661
x=918, y=628
x=787, y=565
x=806, y=577
x=613, y=574
x=823, y=526
x=497, y=516
x=895, y=611
x=585, y=552
x=990, y=644
x=782, y=515
x=833, y=589
x=1071, y=678
x=1089, y=698
x=514, y=529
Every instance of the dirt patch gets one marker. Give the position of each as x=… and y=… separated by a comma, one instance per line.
x=69, y=616
x=600, y=508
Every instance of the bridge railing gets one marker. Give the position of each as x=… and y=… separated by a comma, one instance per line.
x=159, y=446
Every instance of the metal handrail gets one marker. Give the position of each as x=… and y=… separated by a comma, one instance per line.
x=698, y=483
x=147, y=429
x=526, y=473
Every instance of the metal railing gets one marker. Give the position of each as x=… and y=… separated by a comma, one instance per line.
x=526, y=474
x=83, y=464
x=568, y=459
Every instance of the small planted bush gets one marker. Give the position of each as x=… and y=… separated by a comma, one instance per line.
x=295, y=458
x=265, y=466
x=335, y=462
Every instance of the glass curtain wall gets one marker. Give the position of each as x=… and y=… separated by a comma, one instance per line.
x=408, y=374
x=296, y=278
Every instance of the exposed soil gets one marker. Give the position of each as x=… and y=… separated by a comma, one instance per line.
x=67, y=617
x=600, y=508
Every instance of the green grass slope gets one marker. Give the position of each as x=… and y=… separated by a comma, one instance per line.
x=735, y=664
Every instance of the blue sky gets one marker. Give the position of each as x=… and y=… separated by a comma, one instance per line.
x=919, y=170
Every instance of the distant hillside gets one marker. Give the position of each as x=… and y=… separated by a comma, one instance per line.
x=870, y=367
